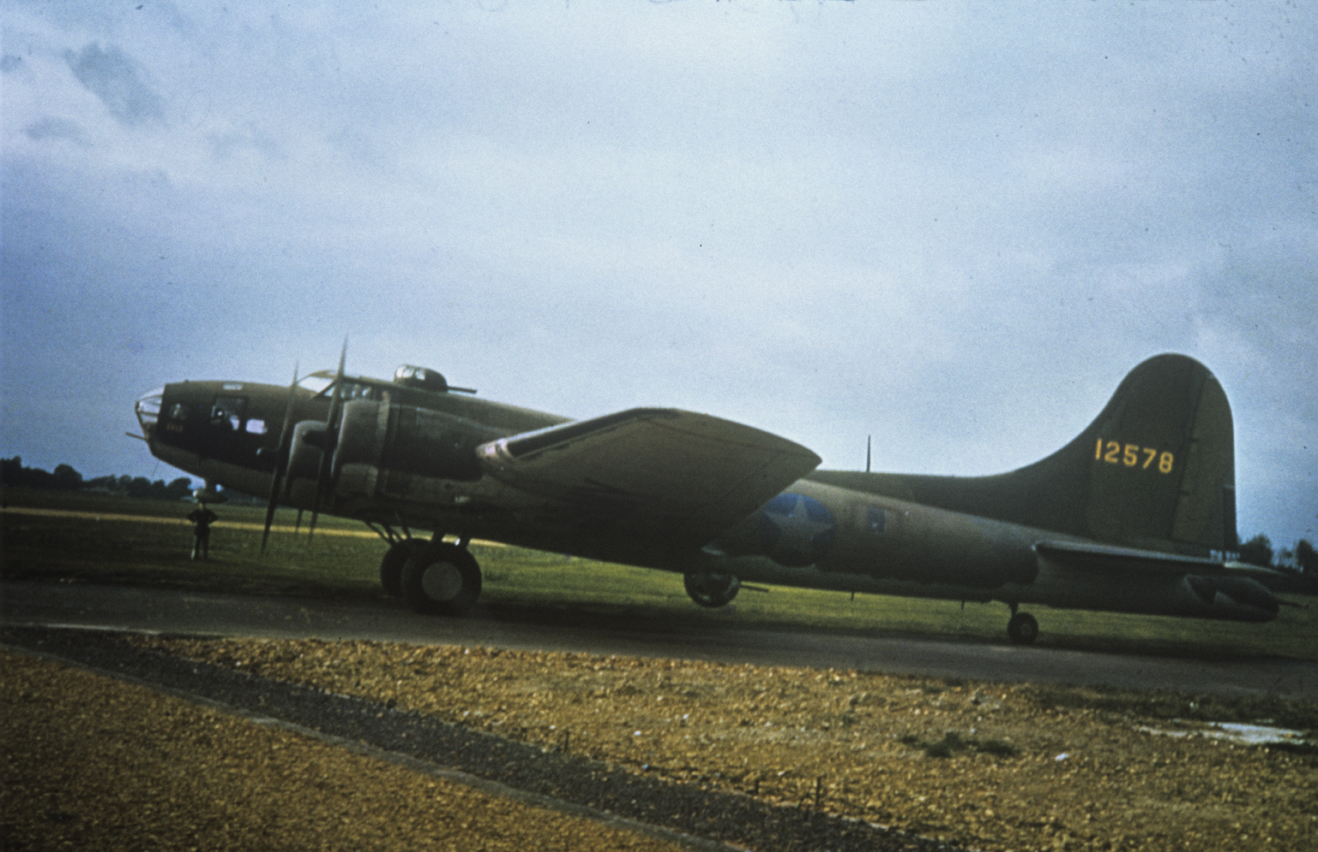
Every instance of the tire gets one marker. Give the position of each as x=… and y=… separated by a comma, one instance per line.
x=391, y=566
x=712, y=590
x=441, y=579
x=1023, y=628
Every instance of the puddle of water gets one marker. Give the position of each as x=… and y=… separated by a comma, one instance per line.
x=1234, y=732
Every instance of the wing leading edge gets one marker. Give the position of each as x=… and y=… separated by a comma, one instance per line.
x=692, y=474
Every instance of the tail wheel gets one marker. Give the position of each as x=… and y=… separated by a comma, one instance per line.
x=1023, y=628
x=391, y=566
x=441, y=579
x=712, y=590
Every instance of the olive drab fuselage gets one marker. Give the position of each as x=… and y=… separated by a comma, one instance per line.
x=1134, y=515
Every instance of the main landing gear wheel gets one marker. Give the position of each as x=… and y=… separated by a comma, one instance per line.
x=1023, y=629
x=391, y=566
x=441, y=579
x=712, y=590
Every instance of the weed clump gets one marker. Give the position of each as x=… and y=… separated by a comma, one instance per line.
x=953, y=742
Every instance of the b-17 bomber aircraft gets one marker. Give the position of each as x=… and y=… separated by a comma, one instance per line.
x=1135, y=515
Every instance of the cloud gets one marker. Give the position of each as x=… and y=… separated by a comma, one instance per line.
x=115, y=79
x=57, y=128
x=953, y=226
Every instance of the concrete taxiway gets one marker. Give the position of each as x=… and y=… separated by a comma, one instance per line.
x=169, y=611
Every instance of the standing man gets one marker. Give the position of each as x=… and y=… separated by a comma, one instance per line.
x=201, y=518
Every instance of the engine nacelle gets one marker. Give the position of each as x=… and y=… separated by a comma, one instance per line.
x=378, y=442
x=406, y=438
x=303, y=469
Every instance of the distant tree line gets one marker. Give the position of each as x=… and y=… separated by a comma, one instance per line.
x=65, y=478
x=1302, y=559
x=1298, y=566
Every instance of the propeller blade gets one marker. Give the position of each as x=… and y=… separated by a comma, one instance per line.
x=281, y=460
x=331, y=441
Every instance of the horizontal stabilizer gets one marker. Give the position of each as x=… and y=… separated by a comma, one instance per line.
x=684, y=473
x=1102, y=557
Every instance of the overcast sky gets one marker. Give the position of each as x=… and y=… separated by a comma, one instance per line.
x=953, y=226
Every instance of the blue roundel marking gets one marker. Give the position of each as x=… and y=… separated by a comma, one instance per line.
x=796, y=530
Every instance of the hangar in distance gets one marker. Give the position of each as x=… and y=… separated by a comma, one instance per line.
x=1135, y=515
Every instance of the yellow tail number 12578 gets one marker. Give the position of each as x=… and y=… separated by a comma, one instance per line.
x=1133, y=455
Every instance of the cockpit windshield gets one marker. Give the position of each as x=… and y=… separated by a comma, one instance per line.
x=322, y=384
x=317, y=382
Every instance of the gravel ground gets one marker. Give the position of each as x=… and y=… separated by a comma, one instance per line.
x=769, y=758
x=92, y=762
x=68, y=784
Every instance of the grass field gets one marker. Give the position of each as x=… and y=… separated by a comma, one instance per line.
x=53, y=536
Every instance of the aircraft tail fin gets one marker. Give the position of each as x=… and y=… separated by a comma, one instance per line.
x=1161, y=460
x=1154, y=470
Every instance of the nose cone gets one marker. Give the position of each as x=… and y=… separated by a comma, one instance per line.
x=147, y=409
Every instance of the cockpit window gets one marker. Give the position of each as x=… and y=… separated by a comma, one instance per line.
x=228, y=412
x=317, y=383
x=322, y=384
x=352, y=390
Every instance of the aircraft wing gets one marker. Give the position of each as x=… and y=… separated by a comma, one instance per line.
x=687, y=474
x=1104, y=557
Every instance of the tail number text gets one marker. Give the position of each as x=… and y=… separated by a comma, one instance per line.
x=1133, y=455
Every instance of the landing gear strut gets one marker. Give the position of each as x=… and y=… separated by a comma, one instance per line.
x=712, y=590
x=440, y=578
x=1023, y=628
